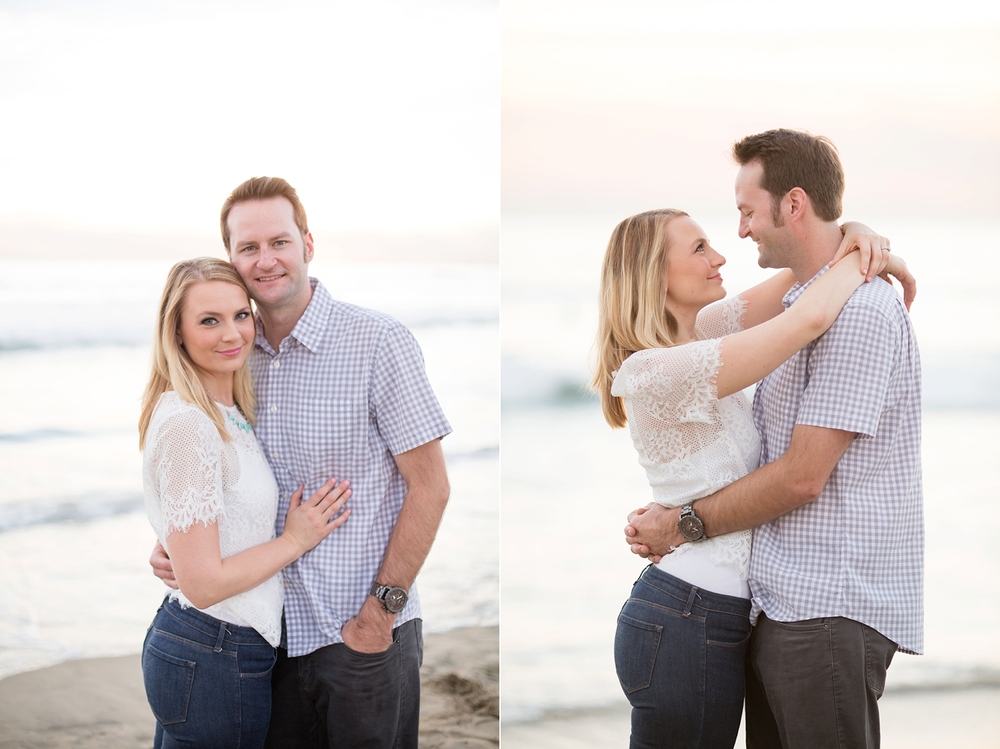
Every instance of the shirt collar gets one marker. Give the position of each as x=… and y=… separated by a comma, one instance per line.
x=798, y=289
x=312, y=326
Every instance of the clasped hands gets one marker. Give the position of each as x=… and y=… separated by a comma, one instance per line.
x=652, y=531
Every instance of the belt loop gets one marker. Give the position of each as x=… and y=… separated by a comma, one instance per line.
x=222, y=636
x=690, y=601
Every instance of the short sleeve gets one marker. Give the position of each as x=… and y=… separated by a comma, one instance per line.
x=849, y=371
x=405, y=410
x=675, y=385
x=722, y=318
x=187, y=466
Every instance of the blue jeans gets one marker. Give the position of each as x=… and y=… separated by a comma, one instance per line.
x=679, y=654
x=207, y=682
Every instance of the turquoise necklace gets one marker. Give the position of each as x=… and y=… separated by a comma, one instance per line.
x=237, y=422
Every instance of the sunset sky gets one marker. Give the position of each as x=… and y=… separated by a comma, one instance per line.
x=620, y=107
x=140, y=117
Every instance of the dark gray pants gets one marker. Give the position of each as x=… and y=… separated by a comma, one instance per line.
x=336, y=698
x=815, y=684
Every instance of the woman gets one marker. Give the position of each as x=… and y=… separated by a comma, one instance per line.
x=212, y=501
x=674, y=373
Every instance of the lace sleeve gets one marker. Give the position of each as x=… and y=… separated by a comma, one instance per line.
x=187, y=466
x=675, y=385
x=722, y=318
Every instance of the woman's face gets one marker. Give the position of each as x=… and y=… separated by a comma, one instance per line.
x=691, y=274
x=217, y=329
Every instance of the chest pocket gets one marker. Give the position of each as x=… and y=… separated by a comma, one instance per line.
x=328, y=435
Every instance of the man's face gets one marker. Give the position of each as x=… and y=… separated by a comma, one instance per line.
x=269, y=252
x=774, y=241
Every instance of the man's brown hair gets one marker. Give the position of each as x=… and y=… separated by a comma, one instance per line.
x=793, y=158
x=262, y=188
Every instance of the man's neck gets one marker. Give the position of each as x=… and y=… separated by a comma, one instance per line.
x=280, y=321
x=817, y=246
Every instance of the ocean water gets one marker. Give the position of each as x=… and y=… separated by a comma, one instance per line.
x=74, y=357
x=569, y=481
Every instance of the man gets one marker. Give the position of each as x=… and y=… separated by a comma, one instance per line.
x=836, y=574
x=341, y=393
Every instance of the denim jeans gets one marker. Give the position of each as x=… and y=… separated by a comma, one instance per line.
x=337, y=697
x=207, y=682
x=679, y=654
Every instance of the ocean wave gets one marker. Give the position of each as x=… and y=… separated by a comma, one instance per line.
x=81, y=509
x=97, y=331
x=526, y=385
x=951, y=381
x=487, y=452
x=945, y=679
x=85, y=508
x=36, y=435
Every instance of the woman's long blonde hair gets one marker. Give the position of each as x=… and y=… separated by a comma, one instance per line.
x=172, y=368
x=632, y=315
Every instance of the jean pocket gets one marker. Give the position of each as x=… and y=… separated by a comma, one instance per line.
x=806, y=625
x=168, y=680
x=728, y=631
x=636, y=645
x=380, y=655
x=255, y=661
x=879, y=651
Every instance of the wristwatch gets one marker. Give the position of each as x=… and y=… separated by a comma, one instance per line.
x=690, y=524
x=393, y=599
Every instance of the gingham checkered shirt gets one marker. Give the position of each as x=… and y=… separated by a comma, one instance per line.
x=857, y=550
x=345, y=392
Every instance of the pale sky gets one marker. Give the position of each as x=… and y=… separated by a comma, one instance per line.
x=620, y=107
x=143, y=116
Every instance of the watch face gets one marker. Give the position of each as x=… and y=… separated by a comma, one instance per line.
x=395, y=599
x=691, y=528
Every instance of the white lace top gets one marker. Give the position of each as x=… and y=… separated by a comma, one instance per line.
x=690, y=442
x=190, y=475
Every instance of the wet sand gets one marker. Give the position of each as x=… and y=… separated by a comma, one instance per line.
x=956, y=719
x=99, y=703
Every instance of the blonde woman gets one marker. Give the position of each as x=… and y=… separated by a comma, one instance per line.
x=672, y=368
x=212, y=501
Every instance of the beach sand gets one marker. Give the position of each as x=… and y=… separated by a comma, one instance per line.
x=956, y=719
x=99, y=703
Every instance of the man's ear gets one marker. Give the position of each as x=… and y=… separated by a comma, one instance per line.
x=798, y=200
x=307, y=243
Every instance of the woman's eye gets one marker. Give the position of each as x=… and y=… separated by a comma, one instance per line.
x=700, y=248
x=209, y=321
x=242, y=315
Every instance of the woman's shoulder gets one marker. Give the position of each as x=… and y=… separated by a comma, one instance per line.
x=173, y=414
x=660, y=366
x=682, y=354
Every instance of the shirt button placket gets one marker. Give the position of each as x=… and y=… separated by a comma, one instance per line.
x=278, y=384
